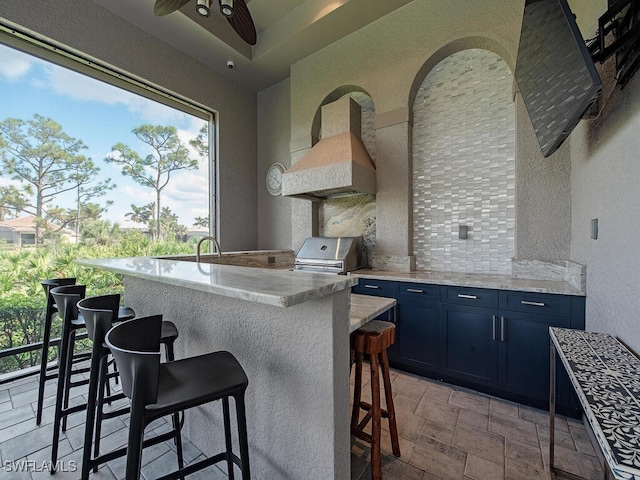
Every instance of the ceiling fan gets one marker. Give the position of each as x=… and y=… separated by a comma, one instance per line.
x=235, y=11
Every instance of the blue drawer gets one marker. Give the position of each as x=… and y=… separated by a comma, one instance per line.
x=542, y=303
x=417, y=293
x=372, y=286
x=478, y=297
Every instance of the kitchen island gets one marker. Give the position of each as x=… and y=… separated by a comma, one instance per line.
x=289, y=330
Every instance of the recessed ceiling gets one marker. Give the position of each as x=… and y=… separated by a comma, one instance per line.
x=288, y=30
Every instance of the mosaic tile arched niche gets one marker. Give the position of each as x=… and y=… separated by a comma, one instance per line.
x=464, y=165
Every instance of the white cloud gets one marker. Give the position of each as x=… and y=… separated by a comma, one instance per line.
x=13, y=64
x=81, y=87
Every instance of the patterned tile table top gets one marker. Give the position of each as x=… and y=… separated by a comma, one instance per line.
x=606, y=377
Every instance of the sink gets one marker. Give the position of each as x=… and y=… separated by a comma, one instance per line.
x=259, y=259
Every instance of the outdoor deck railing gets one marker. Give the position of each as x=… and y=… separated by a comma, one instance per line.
x=26, y=372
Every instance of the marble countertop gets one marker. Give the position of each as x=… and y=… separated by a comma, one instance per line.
x=279, y=287
x=501, y=282
x=366, y=307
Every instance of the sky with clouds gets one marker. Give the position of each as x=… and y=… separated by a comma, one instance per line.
x=102, y=115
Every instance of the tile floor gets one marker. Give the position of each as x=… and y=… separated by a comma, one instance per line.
x=445, y=432
x=451, y=433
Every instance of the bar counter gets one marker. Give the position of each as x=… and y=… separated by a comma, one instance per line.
x=289, y=330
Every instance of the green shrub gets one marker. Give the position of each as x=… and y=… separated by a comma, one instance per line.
x=22, y=299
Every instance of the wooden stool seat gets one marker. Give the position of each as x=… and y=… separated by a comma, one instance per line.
x=373, y=339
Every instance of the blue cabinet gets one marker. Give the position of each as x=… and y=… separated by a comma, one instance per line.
x=467, y=336
x=417, y=325
x=492, y=340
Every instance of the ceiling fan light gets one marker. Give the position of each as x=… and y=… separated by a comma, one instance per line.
x=226, y=8
x=202, y=7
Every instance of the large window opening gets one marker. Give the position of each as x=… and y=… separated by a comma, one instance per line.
x=93, y=163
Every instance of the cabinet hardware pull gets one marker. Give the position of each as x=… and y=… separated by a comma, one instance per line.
x=502, y=329
x=415, y=290
x=535, y=304
x=371, y=286
x=493, y=323
x=470, y=297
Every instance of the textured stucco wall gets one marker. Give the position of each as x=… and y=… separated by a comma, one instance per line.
x=274, y=126
x=543, y=195
x=89, y=28
x=605, y=184
x=297, y=362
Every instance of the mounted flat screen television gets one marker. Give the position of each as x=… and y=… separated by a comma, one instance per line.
x=554, y=71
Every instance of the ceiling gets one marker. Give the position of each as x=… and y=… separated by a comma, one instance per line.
x=288, y=30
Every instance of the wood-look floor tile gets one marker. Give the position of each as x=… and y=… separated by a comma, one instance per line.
x=437, y=411
x=561, y=438
x=504, y=407
x=517, y=470
x=517, y=429
x=481, y=469
x=541, y=417
x=581, y=439
x=474, y=419
x=434, y=457
x=523, y=452
x=409, y=386
x=438, y=391
x=409, y=425
x=572, y=461
x=441, y=431
x=470, y=401
x=480, y=443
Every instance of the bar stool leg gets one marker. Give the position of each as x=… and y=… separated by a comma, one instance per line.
x=376, y=424
x=241, y=421
x=391, y=412
x=103, y=382
x=227, y=436
x=43, y=363
x=62, y=373
x=357, y=389
x=67, y=379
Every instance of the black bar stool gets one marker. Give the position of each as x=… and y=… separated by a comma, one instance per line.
x=49, y=312
x=99, y=313
x=66, y=298
x=373, y=339
x=157, y=390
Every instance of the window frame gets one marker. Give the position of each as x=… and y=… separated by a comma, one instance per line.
x=32, y=43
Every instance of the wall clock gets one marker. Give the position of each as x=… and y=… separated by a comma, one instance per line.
x=274, y=178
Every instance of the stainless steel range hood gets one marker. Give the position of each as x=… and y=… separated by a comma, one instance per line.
x=339, y=164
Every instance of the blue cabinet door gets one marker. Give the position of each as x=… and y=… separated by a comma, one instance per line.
x=468, y=343
x=417, y=341
x=523, y=353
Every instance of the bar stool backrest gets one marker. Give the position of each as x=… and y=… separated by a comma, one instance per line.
x=135, y=345
x=99, y=314
x=66, y=298
x=51, y=283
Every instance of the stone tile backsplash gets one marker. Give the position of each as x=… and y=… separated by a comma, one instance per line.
x=464, y=165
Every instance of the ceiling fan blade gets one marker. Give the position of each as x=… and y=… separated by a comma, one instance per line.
x=242, y=22
x=165, y=7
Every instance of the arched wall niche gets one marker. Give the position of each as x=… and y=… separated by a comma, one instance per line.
x=353, y=215
x=463, y=164
x=465, y=43
x=316, y=125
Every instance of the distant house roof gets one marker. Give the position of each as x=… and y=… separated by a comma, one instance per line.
x=23, y=224
x=27, y=224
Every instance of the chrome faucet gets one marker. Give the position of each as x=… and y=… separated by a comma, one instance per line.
x=203, y=239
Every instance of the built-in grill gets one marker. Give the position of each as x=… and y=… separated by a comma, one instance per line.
x=337, y=255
